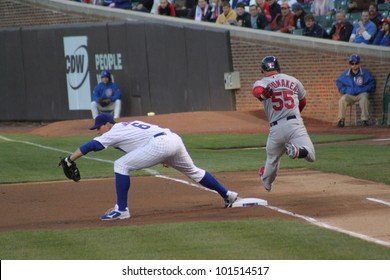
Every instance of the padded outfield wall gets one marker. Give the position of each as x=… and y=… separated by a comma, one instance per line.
x=48, y=73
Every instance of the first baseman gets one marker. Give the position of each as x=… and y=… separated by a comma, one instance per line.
x=283, y=98
x=144, y=145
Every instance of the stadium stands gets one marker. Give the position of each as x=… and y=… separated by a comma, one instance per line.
x=384, y=7
x=340, y=5
x=19, y=13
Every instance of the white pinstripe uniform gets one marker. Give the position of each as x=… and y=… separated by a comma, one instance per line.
x=146, y=145
x=286, y=124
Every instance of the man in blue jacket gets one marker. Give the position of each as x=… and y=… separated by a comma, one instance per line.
x=364, y=31
x=354, y=84
x=106, y=97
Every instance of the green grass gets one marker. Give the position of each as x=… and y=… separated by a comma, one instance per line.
x=248, y=239
x=256, y=239
x=27, y=163
x=227, y=141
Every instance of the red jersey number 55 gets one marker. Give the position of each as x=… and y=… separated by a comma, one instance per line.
x=282, y=99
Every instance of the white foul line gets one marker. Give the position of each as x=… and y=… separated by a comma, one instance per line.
x=379, y=201
x=327, y=226
x=382, y=139
x=152, y=172
x=49, y=148
x=280, y=210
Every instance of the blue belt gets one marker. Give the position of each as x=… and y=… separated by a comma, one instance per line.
x=288, y=118
x=159, y=134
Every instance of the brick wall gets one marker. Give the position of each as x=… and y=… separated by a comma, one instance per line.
x=317, y=68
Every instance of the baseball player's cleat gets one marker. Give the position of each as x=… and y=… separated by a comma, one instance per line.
x=231, y=197
x=115, y=214
x=261, y=172
x=292, y=151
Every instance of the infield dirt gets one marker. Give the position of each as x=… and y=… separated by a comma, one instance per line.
x=336, y=200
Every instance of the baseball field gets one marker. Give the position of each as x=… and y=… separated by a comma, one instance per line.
x=337, y=208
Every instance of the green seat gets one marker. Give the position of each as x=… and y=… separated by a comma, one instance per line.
x=384, y=7
x=324, y=21
x=340, y=5
x=306, y=7
x=297, y=31
x=356, y=16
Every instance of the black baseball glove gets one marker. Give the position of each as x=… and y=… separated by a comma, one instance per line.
x=70, y=169
x=104, y=101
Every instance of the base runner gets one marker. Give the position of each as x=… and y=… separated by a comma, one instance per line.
x=283, y=98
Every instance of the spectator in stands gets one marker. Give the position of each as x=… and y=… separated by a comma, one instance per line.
x=322, y=7
x=228, y=16
x=263, y=5
x=284, y=21
x=289, y=2
x=274, y=8
x=364, y=30
x=106, y=96
x=313, y=29
x=144, y=6
x=183, y=7
x=383, y=36
x=375, y=16
x=299, y=16
x=166, y=9
x=358, y=6
x=342, y=29
x=354, y=84
x=107, y=3
x=93, y=2
x=198, y=12
x=233, y=3
x=120, y=4
x=258, y=19
x=243, y=17
x=123, y=4
x=214, y=10
x=156, y=4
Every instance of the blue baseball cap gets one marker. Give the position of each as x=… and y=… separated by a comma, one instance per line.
x=296, y=6
x=354, y=58
x=102, y=119
x=105, y=73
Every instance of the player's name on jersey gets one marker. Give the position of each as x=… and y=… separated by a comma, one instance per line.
x=284, y=83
